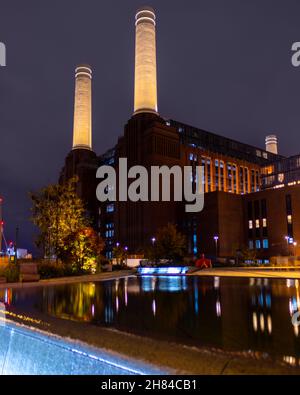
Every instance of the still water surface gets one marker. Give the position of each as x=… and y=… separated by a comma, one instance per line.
x=226, y=313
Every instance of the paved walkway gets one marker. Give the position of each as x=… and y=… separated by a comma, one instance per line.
x=70, y=280
x=280, y=272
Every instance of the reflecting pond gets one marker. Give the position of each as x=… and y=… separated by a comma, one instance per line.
x=225, y=313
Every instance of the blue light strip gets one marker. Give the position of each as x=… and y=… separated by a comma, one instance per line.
x=151, y=271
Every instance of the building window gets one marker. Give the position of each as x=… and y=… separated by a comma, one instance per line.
x=195, y=249
x=246, y=179
x=250, y=224
x=208, y=162
x=222, y=175
x=242, y=184
x=257, y=244
x=251, y=244
x=252, y=181
x=109, y=233
x=217, y=173
x=257, y=223
x=289, y=212
x=203, y=173
x=110, y=208
x=193, y=157
x=257, y=180
x=265, y=244
x=234, y=178
x=264, y=222
x=229, y=177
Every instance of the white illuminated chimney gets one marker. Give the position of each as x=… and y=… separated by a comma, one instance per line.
x=272, y=144
x=145, y=84
x=82, y=129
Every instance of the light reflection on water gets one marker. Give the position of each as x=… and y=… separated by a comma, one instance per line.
x=231, y=314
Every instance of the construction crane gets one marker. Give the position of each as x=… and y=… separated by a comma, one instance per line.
x=2, y=237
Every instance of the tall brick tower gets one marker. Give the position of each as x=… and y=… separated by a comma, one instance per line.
x=82, y=129
x=145, y=81
x=147, y=141
x=81, y=160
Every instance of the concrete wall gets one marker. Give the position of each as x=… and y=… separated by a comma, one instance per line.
x=27, y=352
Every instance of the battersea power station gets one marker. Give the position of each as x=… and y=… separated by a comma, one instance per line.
x=252, y=195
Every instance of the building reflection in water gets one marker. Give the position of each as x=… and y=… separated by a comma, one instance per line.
x=232, y=314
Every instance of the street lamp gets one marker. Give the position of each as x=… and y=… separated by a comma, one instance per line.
x=126, y=249
x=153, y=241
x=216, y=239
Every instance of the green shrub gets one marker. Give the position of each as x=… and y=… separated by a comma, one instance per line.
x=10, y=272
x=49, y=269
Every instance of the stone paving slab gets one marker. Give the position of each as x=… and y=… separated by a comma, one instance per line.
x=249, y=272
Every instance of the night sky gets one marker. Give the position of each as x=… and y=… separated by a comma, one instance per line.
x=224, y=66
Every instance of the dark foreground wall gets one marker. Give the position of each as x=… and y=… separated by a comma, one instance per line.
x=24, y=351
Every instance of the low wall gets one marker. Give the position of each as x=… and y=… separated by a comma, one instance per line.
x=3, y=261
x=285, y=260
x=27, y=352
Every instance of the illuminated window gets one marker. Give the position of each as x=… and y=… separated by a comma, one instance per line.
x=257, y=223
x=251, y=244
x=264, y=221
x=208, y=163
x=250, y=224
x=203, y=173
x=217, y=173
x=252, y=181
x=265, y=244
x=289, y=219
x=242, y=184
x=246, y=179
x=222, y=175
x=234, y=178
x=193, y=157
x=110, y=208
x=257, y=180
x=257, y=244
x=229, y=177
x=195, y=249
